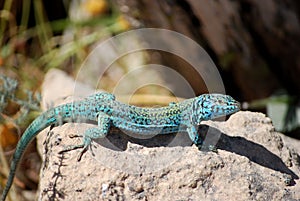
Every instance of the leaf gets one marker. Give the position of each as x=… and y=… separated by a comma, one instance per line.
x=8, y=135
x=285, y=115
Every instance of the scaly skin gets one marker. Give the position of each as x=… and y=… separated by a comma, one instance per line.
x=103, y=108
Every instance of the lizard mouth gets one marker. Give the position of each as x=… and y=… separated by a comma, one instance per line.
x=234, y=107
x=237, y=105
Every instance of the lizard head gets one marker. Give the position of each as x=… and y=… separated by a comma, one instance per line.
x=210, y=106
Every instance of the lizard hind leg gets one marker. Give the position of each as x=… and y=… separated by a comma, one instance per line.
x=90, y=134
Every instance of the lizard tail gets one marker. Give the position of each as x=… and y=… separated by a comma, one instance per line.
x=34, y=128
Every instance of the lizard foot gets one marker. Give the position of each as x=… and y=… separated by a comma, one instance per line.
x=204, y=147
x=84, y=146
x=73, y=147
x=89, y=135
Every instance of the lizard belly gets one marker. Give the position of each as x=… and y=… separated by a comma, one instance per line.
x=132, y=127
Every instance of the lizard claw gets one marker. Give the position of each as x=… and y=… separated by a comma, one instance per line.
x=75, y=135
x=73, y=147
x=70, y=148
x=81, y=153
x=84, y=146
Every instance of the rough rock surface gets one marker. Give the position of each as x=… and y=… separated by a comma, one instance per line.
x=252, y=162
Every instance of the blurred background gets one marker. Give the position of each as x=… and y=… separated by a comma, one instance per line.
x=254, y=44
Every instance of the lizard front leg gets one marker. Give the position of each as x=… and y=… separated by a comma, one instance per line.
x=194, y=135
x=92, y=133
x=197, y=140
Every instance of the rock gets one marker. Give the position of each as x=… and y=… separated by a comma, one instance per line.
x=252, y=163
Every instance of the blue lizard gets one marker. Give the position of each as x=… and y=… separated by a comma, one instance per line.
x=106, y=111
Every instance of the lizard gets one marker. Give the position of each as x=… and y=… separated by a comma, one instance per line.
x=103, y=108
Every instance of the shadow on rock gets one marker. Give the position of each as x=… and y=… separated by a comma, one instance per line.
x=253, y=151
